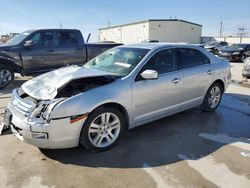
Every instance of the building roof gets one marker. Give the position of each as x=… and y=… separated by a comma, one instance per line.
x=151, y=20
x=158, y=44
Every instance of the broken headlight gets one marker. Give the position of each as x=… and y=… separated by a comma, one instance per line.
x=42, y=111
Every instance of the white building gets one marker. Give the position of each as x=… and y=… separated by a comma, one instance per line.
x=229, y=39
x=234, y=40
x=163, y=30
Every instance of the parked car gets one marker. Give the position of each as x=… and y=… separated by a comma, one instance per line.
x=122, y=88
x=246, y=68
x=149, y=40
x=37, y=51
x=235, y=52
x=215, y=46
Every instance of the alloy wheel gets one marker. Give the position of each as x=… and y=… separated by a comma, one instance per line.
x=104, y=130
x=5, y=77
x=243, y=57
x=214, y=97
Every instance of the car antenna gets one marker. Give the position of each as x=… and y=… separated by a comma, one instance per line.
x=88, y=38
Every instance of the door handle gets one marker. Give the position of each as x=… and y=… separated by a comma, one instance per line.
x=209, y=72
x=176, y=80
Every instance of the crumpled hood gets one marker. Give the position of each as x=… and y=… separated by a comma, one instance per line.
x=45, y=87
x=4, y=51
x=4, y=47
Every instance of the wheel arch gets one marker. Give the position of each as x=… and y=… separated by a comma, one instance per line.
x=119, y=107
x=11, y=63
x=221, y=83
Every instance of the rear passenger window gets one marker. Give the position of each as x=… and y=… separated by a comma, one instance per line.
x=67, y=38
x=190, y=58
x=162, y=62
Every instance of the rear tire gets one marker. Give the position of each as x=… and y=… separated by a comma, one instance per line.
x=6, y=76
x=212, y=98
x=102, y=129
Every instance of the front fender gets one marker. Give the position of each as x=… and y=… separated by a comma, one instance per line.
x=86, y=102
x=9, y=61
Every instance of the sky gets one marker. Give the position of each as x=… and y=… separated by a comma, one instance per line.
x=90, y=15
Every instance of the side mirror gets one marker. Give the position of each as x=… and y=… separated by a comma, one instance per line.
x=149, y=74
x=28, y=43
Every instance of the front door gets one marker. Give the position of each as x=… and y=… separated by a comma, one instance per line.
x=153, y=99
x=40, y=57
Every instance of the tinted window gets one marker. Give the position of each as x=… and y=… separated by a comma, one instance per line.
x=43, y=39
x=67, y=38
x=190, y=58
x=162, y=62
x=223, y=43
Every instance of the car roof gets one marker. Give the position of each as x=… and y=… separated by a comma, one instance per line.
x=33, y=30
x=153, y=45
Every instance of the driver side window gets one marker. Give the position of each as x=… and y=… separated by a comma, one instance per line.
x=42, y=39
x=162, y=62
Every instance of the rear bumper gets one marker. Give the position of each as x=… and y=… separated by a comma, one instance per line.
x=56, y=134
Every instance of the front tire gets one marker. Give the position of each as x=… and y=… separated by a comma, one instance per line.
x=102, y=129
x=212, y=98
x=6, y=76
x=243, y=57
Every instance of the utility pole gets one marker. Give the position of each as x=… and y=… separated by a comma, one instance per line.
x=241, y=32
x=60, y=25
x=108, y=23
x=221, y=29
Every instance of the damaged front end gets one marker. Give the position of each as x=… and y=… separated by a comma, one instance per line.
x=38, y=111
x=33, y=110
x=33, y=113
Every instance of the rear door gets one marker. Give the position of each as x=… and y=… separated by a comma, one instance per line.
x=68, y=48
x=153, y=99
x=197, y=73
x=39, y=57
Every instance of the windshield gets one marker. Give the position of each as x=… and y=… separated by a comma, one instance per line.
x=18, y=38
x=118, y=61
x=237, y=46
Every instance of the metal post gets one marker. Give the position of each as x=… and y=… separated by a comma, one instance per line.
x=220, y=29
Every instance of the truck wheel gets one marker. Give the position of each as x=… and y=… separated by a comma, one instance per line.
x=6, y=76
x=212, y=98
x=243, y=57
x=102, y=129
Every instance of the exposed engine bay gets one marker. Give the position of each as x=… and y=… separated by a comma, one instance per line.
x=77, y=86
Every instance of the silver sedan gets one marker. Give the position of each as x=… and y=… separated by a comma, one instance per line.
x=118, y=90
